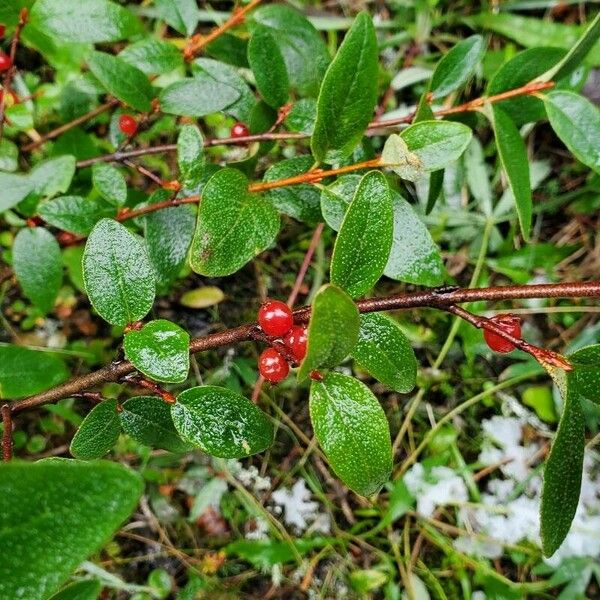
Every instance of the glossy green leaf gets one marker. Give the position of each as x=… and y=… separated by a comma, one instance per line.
x=24, y=371
x=364, y=241
x=513, y=157
x=147, y=419
x=168, y=234
x=332, y=330
x=118, y=276
x=299, y=201
x=518, y=71
x=585, y=377
x=414, y=257
x=38, y=266
x=385, y=352
x=195, y=97
x=80, y=590
x=303, y=49
x=202, y=297
x=57, y=513
x=457, y=66
x=302, y=116
x=92, y=21
x=576, y=54
x=160, y=350
x=15, y=187
x=181, y=15
x=98, y=432
x=234, y=225
x=153, y=57
x=562, y=475
x=436, y=185
x=52, y=176
x=336, y=198
x=576, y=122
x=269, y=69
x=348, y=94
x=74, y=213
x=221, y=422
x=529, y=32
x=437, y=144
x=353, y=431
x=122, y=80
x=190, y=157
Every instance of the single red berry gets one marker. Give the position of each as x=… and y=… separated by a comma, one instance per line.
x=128, y=125
x=316, y=376
x=508, y=323
x=5, y=61
x=2, y=30
x=240, y=130
x=272, y=366
x=295, y=339
x=275, y=318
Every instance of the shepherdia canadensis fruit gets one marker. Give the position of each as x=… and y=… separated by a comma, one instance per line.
x=128, y=125
x=273, y=366
x=296, y=339
x=508, y=323
x=275, y=318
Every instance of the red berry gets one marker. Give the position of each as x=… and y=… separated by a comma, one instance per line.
x=240, y=130
x=2, y=30
x=295, y=340
x=316, y=376
x=508, y=323
x=5, y=62
x=272, y=366
x=275, y=318
x=128, y=125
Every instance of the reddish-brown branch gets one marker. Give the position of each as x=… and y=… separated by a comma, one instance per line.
x=372, y=128
x=6, y=432
x=429, y=298
x=8, y=77
x=198, y=41
x=314, y=242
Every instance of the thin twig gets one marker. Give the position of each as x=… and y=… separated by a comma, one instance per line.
x=429, y=298
x=6, y=432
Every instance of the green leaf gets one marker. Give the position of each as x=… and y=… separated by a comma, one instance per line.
x=98, y=432
x=304, y=52
x=118, y=276
x=153, y=57
x=57, y=513
x=9, y=155
x=80, y=590
x=585, y=377
x=336, y=198
x=195, y=97
x=576, y=53
x=363, y=244
x=576, y=122
x=401, y=160
x=74, y=213
x=518, y=71
x=160, y=350
x=24, y=372
x=351, y=427
x=513, y=157
x=436, y=184
x=299, y=201
x=529, y=31
x=181, y=15
x=221, y=422
x=385, y=352
x=38, y=266
x=268, y=67
x=437, y=144
x=91, y=21
x=457, y=66
x=15, y=187
x=202, y=297
x=414, y=257
x=190, y=158
x=562, y=475
x=52, y=176
x=302, y=116
x=147, y=419
x=122, y=80
x=233, y=226
x=348, y=94
x=332, y=330
x=168, y=234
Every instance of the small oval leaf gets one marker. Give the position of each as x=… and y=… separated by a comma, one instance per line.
x=268, y=67
x=109, y=183
x=98, y=432
x=221, y=422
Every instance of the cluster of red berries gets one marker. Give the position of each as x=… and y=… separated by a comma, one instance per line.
x=508, y=323
x=128, y=125
x=276, y=320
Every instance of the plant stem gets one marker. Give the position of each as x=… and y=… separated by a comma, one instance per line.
x=429, y=298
